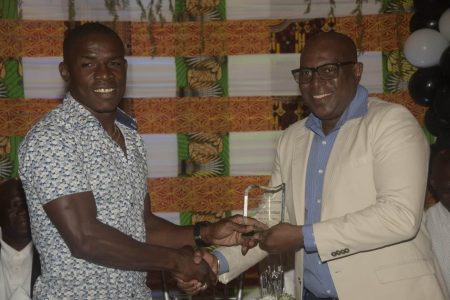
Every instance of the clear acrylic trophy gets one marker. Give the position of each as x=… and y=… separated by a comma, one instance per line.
x=269, y=208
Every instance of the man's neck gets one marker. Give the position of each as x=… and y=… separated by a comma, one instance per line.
x=15, y=243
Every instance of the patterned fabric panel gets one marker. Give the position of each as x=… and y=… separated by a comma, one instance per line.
x=383, y=32
x=9, y=147
x=17, y=116
x=205, y=194
x=44, y=38
x=172, y=115
x=11, y=81
x=202, y=76
x=397, y=71
x=203, y=154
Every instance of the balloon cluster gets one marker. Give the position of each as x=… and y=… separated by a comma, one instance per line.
x=428, y=49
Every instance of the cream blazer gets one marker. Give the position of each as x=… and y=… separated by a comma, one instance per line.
x=370, y=234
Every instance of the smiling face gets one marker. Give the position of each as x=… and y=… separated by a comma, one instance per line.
x=95, y=70
x=328, y=99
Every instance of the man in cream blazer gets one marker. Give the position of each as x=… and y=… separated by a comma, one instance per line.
x=369, y=229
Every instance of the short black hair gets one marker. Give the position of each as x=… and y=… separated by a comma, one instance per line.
x=83, y=30
x=8, y=189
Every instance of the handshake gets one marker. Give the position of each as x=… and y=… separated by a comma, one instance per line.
x=199, y=268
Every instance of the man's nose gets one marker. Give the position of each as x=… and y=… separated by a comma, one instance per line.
x=103, y=71
x=315, y=78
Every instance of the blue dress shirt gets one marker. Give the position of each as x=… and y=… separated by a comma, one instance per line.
x=316, y=276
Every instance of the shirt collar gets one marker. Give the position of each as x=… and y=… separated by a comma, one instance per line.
x=79, y=115
x=358, y=107
x=82, y=117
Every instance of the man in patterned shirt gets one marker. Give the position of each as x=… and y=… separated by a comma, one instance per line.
x=83, y=168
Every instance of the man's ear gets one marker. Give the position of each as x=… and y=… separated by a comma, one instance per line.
x=64, y=71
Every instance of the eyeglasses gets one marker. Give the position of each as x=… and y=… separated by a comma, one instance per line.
x=325, y=72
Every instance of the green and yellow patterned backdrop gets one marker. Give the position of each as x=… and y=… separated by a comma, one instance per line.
x=209, y=85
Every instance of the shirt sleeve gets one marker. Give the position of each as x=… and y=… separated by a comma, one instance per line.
x=50, y=162
x=308, y=239
x=223, y=263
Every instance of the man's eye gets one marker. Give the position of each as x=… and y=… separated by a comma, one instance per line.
x=305, y=72
x=328, y=69
x=86, y=65
x=116, y=63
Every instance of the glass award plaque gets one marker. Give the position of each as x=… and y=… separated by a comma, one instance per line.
x=267, y=205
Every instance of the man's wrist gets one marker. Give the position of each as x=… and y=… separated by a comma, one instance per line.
x=199, y=234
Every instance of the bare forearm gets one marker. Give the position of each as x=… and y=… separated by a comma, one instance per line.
x=104, y=245
x=164, y=233
x=75, y=216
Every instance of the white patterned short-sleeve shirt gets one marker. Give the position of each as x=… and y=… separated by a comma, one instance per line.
x=68, y=152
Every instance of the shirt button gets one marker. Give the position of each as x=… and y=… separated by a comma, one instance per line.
x=320, y=171
x=318, y=200
x=324, y=142
x=328, y=292
x=319, y=262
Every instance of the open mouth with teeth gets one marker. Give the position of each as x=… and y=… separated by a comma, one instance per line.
x=321, y=96
x=104, y=90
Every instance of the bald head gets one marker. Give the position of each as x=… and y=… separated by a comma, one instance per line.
x=342, y=45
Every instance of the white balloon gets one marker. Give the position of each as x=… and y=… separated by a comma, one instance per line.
x=444, y=24
x=424, y=47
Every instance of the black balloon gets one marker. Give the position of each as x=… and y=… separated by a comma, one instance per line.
x=423, y=84
x=434, y=124
x=445, y=63
x=441, y=103
x=419, y=21
x=431, y=7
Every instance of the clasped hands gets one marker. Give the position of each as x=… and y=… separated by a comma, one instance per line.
x=229, y=231
x=238, y=230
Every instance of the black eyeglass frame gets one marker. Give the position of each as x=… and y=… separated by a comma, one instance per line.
x=296, y=72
